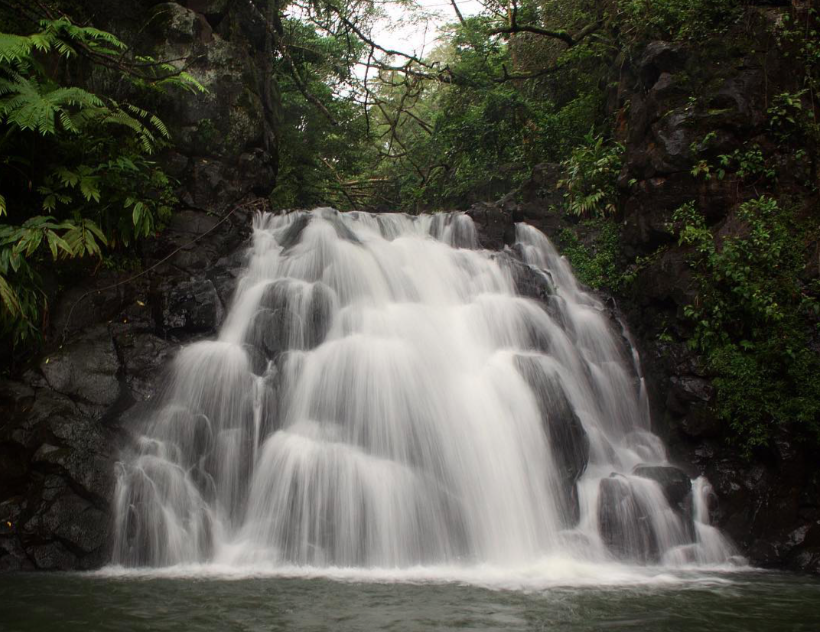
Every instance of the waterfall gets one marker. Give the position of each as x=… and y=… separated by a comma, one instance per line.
x=383, y=393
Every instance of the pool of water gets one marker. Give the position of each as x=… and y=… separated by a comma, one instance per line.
x=196, y=599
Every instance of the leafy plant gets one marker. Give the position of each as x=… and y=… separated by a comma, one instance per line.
x=751, y=320
x=596, y=265
x=787, y=117
x=591, y=177
x=75, y=166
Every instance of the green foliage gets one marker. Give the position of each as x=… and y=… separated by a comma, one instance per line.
x=75, y=166
x=789, y=120
x=748, y=164
x=477, y=134
x=798, y=34
x=318, y=155
x=645, y=20
x=591, y=177
x=751, y=319
x=598, y=264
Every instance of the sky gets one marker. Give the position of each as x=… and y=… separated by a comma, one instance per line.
x=400, y=32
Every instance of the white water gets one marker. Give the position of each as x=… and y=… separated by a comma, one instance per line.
x=381, y=397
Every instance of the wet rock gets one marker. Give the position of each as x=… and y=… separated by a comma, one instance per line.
x=624, y=521
x=192, y=306
x=495, y=226
x=144, y=359
x=530, y=282
x=85, y=368
x=292, y=315
x=674, y=482
x=293, y=233
x=568, y=440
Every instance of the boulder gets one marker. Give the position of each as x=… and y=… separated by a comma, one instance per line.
x=193, y=306
x=144, y=358
x=291, y=315
x=569, y=442
x=494, y=225
x=674, y=482
x=624, y=522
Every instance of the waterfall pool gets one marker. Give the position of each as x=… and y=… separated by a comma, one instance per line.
x=194, y=599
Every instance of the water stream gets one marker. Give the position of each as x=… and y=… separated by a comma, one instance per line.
x=387, y=398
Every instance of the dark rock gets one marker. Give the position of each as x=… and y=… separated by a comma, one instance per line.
x=568, y=440
x=192, y=306
x=144, y=358
x=668, y=281
x=530, y=282
x=291, y=315
x=659, y=58
x=495, y=227
x=86, y=367
x=53, y=557
x=624, y=522
x=675, y=483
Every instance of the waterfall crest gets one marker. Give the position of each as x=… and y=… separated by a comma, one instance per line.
x=385, y=394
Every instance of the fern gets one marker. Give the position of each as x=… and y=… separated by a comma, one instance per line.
x=82, y=167
x=32, y=105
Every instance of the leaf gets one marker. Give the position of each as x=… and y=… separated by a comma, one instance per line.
x=55, y=243
x=89, y=187
x=137, y=214
x=9, y=298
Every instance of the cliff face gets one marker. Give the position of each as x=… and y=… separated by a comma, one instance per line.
x=688, y=104
x=225, y=139
x=66, y=419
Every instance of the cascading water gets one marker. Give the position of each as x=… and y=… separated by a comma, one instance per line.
x=385, y=394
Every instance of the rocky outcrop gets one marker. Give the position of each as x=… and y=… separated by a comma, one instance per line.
x=624, y=521
x=225, y=135
x=674, y=482
x=688, y=104
x=66, y=417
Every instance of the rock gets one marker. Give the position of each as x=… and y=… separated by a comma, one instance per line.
x=624, y=522
x=669, y=281
x=53, y=557
x=530, y=282
x=192, y=306
x=85, y=368
x=568, y=440
x=661, y=57
x=144, y=360
x=12, y=556
x=291, y=315
x=180, y=25
x=74, y=521
x=226, y=132
x=676, y=485
x=495, y=227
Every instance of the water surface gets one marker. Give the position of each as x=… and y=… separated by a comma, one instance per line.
x=193, y=601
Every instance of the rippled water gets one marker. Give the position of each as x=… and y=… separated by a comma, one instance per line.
x=221, y=600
